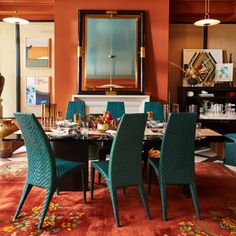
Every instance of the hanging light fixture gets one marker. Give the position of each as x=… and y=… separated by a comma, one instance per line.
x=15, y=18
x=207, y=21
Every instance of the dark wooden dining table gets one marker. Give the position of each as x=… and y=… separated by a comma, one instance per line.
x=76, y=148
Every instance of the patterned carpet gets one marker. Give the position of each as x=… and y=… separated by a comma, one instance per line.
x=69, y=216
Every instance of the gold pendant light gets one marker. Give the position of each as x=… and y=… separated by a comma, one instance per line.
x=207, y=21
x=15, y=19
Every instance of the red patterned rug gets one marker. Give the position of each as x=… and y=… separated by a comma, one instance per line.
x=68, y=215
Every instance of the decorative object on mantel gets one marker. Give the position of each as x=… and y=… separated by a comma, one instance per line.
x=207, y=21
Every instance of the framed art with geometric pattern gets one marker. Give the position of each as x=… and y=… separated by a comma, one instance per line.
x=196, y=58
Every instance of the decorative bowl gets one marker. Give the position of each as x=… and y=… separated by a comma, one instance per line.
x=103, y=127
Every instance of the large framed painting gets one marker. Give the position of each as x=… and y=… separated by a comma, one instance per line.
x=111, y=52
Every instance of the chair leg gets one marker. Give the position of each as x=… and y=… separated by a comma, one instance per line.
x=47, y=200
x=124, y=190
x=24, y=195
x=92, y=171
x=149, y=177
x=83, y=183
x=144, y=200
x=163, y=200
x=193, y=191
x=114, y=201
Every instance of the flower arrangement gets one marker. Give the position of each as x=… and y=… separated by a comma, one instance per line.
x=104, y=122
x=191, y=74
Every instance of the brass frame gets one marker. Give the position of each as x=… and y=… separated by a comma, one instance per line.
x=138, y=86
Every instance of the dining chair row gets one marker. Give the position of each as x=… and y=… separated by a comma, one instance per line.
x=175, y=166
x=116, y=108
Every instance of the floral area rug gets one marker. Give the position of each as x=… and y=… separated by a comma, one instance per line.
x=68, y=215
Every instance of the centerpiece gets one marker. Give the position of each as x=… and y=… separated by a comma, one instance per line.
x=104, y=122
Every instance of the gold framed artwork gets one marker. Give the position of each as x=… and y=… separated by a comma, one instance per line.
x=38, y=52
x=111, y=52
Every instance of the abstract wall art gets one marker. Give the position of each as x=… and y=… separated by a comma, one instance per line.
x=37, y=90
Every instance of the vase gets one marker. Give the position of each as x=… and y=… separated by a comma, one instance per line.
x=2, y=82
x=192, y=81
x=7, y=127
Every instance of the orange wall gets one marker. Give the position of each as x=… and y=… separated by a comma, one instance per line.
x=66, y=41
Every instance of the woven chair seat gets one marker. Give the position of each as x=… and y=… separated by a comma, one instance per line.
x=64, y=166
x=101, y=167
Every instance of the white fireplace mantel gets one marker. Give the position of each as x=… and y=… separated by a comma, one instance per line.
x=96, y=104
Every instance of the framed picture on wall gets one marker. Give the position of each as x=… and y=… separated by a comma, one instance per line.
x=37, y=90
x=224, y=72
x=208, y=58
x=38, y=52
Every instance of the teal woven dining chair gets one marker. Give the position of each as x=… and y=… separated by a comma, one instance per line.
x=156, y=108
x=230, y=150
x=117, y=109
x=176, y=163
x=124, y=166
x=44, y=170
x=75, y=107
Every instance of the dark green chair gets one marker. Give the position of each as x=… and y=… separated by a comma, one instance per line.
x=230, y=150
x=75, y=107
x=176, y=163
x=117, y=109
x=44, y=170
x=156, y=108
x=124, y=166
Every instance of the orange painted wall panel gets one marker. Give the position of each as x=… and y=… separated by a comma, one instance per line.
x=66, y=40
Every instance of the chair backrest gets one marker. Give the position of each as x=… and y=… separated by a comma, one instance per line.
x=126, y=151
x=117, y=109
x=156, y=108
x=177, y=150
x=75, y=107
x=41, y=161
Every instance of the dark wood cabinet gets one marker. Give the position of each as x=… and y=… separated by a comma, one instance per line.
x=193, y=98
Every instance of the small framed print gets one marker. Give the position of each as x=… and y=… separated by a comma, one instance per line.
x=37, y=90
x=224, y=72
x=38, y=52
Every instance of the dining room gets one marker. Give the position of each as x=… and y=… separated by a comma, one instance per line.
x=86, y=87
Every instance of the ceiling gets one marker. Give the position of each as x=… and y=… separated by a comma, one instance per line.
x=28, y=9
x=192, y=10
x=180, y=10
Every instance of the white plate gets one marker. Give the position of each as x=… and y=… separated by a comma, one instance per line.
x=111, y=132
